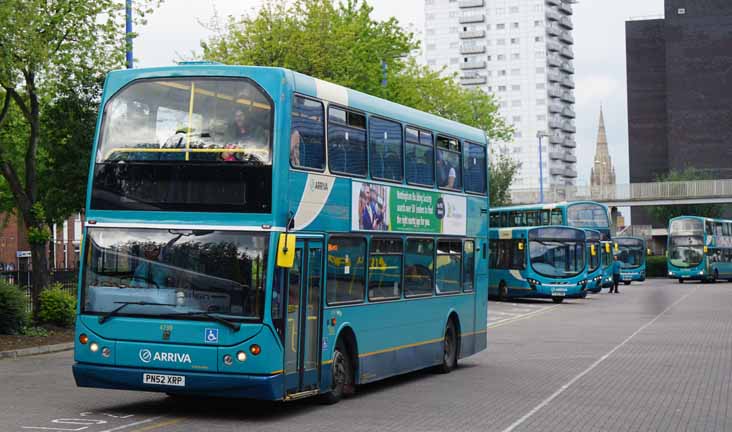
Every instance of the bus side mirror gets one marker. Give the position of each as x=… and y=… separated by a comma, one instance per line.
x=286, y=250
x=706, y=250
x=520, y=246
x=593, y=252
x=607, y=247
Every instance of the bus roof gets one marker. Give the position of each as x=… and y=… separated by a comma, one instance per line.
x=305, y=85
x=702, y=218
x=547, y=206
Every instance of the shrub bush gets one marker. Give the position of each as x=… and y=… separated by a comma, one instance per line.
x=13, y=312
x=656, y=266
x=58, y=307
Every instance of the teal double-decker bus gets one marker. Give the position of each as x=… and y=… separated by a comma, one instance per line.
x=541, y=262
x=631, y=253
x=254, y=232
x=579, y=214
x=699, y=249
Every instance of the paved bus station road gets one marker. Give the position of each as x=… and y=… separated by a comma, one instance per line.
x=657, y=356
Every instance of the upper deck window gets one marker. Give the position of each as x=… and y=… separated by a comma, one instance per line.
x=185, y=144
x=385, y=140
x=474, y=169
x=347, y=142
x=188, y=120
x=448, y=163
x=307, y=140
x=587, y=216
x=419, y=157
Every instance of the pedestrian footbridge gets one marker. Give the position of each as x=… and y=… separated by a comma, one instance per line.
x=634, y=194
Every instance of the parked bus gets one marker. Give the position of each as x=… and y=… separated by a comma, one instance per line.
x=699, y=248
x=631, y=252
x=607, y=260
x=254, y=232
x=594, y=261
x=579, y=214
x=543, y=262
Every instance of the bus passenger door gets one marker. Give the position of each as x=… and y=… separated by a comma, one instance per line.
x=302, y=333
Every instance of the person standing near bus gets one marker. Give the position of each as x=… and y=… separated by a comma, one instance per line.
x=616, y=275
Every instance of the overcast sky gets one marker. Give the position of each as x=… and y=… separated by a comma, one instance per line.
x=174, y=31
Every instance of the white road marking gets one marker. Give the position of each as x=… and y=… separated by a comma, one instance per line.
x=132, y=424
x=561, y=390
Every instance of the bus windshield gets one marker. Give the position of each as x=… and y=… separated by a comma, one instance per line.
x=587, y=216
x=686, y=251
x=593, y=256
x=557, y=252
x=607, y=256
x=185, y=144
x=180, y=271
x=630, y=252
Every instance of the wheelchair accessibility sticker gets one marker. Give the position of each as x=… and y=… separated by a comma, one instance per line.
x=211, y=335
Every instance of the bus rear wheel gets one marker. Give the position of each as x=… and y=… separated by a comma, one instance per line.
x=626, y=282
x=557, y=299
x=449, y=348
x=341, y=375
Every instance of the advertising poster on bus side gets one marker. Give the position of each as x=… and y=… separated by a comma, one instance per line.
x=377, y=207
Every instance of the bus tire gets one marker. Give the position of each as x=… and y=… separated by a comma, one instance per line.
x=681, y=281
x=626, y=282
x=341, y=373
x=449, y=348
x=502, y=291
x=558, y=299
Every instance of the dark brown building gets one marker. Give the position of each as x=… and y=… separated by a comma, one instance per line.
x=680, y=92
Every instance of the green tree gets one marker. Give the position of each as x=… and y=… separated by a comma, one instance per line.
x=341, y=43
x=48, y=51
x=665, y=213
x=503, y=169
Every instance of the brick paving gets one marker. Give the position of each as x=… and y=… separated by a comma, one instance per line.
x=674, y=374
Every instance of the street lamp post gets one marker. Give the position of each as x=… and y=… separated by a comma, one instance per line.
x=128, y=32
x=539, y=136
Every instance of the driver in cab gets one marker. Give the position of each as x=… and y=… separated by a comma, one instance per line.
x=149, y=271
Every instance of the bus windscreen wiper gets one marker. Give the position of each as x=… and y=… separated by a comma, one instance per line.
x=122, y=305
x=230, y=324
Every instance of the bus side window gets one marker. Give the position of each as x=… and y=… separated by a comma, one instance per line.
x=419, y=261
x=385, y=269
x=545, y=217
x=531, y=218
x=385, y=143
x=347, y=142
x=556, y=217
x=449, y=266
x=307, y=140
x=346, y=270
x=474, y=168
x=468, y=265
x=419, y=157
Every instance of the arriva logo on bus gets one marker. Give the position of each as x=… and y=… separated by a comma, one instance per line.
x=147, y=356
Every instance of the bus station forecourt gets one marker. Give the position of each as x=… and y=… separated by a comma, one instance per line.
x=255, y=233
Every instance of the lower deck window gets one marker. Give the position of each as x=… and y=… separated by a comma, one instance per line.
x=418, y=264
x=346, y=270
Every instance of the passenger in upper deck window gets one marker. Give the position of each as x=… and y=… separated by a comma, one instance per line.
x=295, y=141
x=445, y=172
x=248, y=132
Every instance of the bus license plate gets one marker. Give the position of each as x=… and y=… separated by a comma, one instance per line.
x=627, y=277
x=171, y=380
x=559, y=293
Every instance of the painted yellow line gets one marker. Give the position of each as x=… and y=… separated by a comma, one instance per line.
x=277, y=372
x=522, y=317
x=400, y=347
x=159, y=425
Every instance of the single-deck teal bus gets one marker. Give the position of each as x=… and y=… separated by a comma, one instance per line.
x=631, y=252
x=606, y=261
x=542, y=262
x=594, y=261
x=699, y=248
x=579, y=214
x=254, y=232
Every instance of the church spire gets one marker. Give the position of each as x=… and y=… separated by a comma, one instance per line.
x=602, y=172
